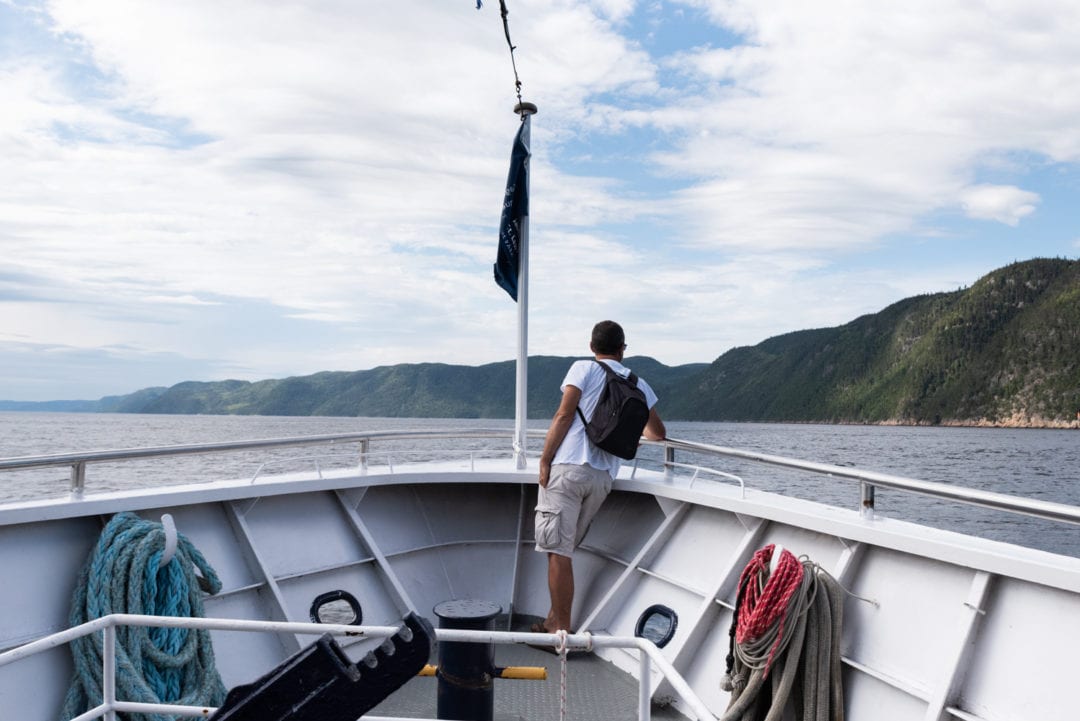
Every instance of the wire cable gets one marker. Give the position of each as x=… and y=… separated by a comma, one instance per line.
x=504, y=12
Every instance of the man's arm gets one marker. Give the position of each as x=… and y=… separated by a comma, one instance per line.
x=560, y=424
x=654, y=429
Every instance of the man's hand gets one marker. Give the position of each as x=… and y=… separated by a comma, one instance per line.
x=545, y=472
x=654, y=429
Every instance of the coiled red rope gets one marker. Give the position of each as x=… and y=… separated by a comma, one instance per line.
x=763, y=605
x=785, y=635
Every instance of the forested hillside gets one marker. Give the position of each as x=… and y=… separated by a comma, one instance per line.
x=431, y=390
x=1003, y=352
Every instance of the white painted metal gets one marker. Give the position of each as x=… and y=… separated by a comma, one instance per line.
x=404, y=603
x=964, y=635
x=169, y=526
x=108, y=672
x=521, y=386
x=684, y=648
x=108, y=624
x=1022, y=663
x=645, y=687
x=279, y=609
x=952, y=624
x=988, y=499
x=518, y=542
x=659, y=534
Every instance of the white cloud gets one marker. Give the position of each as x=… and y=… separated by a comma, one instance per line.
x=615, y=10
x=288, y=188
x=340, y=163
x=43, y=371
x=1003, y=203
x=835, y=127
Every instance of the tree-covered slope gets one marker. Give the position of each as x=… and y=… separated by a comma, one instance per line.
x=1003, y=350
x=432, y=390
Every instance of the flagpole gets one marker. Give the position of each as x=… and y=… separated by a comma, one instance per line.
x=522, y=375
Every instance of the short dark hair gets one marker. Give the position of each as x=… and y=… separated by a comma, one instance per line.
x=608, y=338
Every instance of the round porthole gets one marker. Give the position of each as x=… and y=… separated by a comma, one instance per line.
x=336, y=607
x=657, y=624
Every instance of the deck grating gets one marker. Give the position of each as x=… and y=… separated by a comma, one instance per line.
x=595, y=689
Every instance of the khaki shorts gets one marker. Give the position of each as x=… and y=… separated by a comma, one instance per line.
x=568, y=505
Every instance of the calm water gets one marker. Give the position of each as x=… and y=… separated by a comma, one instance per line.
x=1043, y=464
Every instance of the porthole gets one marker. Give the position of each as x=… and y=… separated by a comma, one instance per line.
x=657, y=624
x=336, y=607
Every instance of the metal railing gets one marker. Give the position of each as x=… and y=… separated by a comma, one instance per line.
x=79, y=461
x=649, y=655
x=868, y=480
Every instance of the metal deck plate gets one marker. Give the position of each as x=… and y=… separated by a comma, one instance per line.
x=595, y=689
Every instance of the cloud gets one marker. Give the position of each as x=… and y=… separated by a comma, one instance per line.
x=1003, y=203
x=297, y=187
x=43, y=371
x=615, y=10
x=329, y=147
x=834, y=129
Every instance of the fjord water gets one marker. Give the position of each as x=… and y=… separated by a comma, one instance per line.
x=1041, y=464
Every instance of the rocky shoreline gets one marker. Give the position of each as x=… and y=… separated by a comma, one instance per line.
x=1016, y=420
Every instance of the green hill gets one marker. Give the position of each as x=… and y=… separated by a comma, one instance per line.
x=1002, y=352
x=433, y=390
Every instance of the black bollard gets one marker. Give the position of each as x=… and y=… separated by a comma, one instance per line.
x=466, y=688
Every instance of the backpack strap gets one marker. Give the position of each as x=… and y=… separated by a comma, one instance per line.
x=610, y=372
x=632, y=378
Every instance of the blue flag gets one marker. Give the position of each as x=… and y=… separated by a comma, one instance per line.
x=515, y=212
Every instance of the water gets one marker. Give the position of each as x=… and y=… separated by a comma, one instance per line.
x=1042, y=464
x=1033, y=463
x=23, y=434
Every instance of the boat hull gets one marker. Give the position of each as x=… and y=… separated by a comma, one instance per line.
x=938, y=624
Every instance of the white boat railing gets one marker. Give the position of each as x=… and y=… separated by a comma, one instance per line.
x=649, y=655
x=387, y=457
x=698, y=471
x=868, y=480
x=78, y=461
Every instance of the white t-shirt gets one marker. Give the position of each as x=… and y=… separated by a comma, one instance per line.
x=590, y=378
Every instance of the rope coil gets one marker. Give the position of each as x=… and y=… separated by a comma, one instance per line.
x=787, y=620
x=767, y=597
x=124, y=574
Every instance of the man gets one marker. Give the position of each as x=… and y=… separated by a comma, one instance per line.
x=575, y=475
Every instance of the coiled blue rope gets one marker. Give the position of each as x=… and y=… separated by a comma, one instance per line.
x=153, y=665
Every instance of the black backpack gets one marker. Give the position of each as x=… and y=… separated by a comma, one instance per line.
x=620, y=415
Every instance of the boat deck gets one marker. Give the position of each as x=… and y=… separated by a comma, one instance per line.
x=931, y=630
x=595, y=689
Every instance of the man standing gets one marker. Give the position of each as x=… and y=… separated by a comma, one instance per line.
x=575, y=475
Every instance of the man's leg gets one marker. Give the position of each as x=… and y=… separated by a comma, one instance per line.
x=561, y=587
x=560, y=569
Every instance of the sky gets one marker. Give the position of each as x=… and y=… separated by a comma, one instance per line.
x=250, y=190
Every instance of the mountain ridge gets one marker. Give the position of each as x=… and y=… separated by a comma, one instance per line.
x=1002, y=352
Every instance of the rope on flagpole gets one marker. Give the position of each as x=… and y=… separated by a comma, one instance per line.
x=504, y=12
